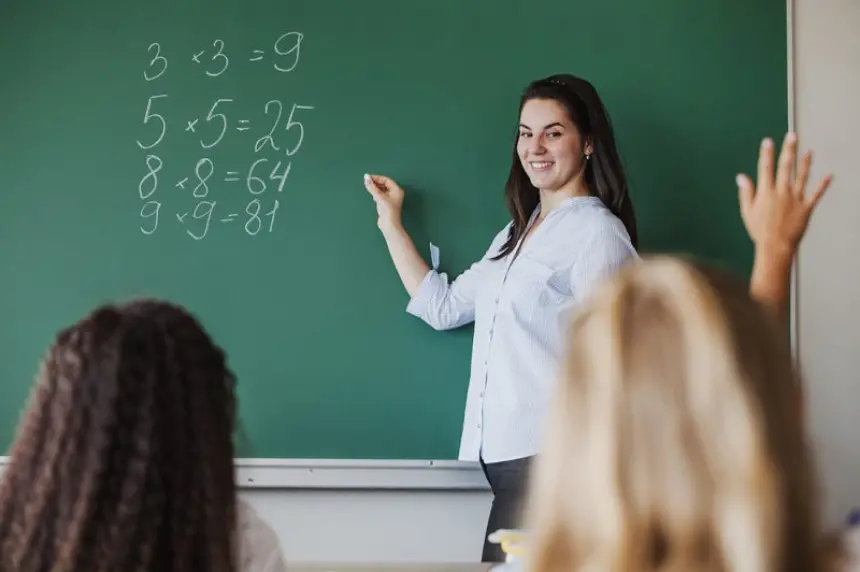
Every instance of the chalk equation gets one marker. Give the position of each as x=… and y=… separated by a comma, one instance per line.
x=215, y=60
x=275, y=142
x=258, y=216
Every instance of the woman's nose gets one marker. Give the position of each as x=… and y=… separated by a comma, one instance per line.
x=536, y=145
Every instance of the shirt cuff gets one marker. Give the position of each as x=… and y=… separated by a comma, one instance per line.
x=426, y=289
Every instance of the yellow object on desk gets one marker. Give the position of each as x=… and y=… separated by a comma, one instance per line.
x=512, y=541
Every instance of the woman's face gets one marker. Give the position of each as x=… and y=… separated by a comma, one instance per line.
x=549, y=145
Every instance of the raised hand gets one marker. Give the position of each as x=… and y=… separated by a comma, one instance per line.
x=776, y=213
x=776, y=210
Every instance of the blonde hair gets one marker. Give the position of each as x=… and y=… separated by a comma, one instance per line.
x=675, y=441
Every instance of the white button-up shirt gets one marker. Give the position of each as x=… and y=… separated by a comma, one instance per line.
x=521, y=307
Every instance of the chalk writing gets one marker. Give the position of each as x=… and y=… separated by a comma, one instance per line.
x=255, y=223
x=219, y=56
x=211, y=194
x=219, y=60
x=199, y=225
x=148, y=116
x=213, y=116
x=153, y=164
x=292, y=124
x=149, y=210
x=292, y=41
x=257, y=186
x=203, y=211
x=204, y=170
x=267, y=138
x=296, y=124
x=158, y=62
x=287, y=51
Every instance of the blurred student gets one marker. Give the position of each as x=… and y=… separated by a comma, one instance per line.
x=124, y=458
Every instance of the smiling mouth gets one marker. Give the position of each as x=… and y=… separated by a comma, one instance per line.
x=540, y=165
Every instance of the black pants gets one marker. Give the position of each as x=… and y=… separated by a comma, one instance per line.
x=508, y=481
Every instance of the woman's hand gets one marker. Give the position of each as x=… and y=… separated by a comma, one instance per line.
x=776, y=212
x=388, y=196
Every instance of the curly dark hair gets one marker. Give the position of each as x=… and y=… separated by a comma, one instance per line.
x=124, y=458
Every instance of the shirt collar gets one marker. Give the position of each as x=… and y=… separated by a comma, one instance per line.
x=570, y=202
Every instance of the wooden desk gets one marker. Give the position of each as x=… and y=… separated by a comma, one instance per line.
x=411, y=567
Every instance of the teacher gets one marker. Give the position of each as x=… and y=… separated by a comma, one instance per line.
x=572, y=225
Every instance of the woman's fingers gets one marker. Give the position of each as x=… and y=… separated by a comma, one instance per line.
x=803, y=174
x=765, y=165
x=372, y=187
x=381, y=183
x=819, y=192
x=785, y=169
x=746, y=193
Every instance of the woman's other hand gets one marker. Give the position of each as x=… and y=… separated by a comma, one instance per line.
x=388, y=196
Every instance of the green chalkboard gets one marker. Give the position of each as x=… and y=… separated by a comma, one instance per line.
x=279, y=253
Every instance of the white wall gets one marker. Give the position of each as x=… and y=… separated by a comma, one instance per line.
x=827, y=119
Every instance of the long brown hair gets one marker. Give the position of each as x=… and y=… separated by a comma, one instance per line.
x=124, y=458
x=604, y=172
x=675, y=443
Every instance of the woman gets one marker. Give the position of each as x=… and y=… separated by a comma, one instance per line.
x=677, y=440
x=124, y=458
x=572, y=225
